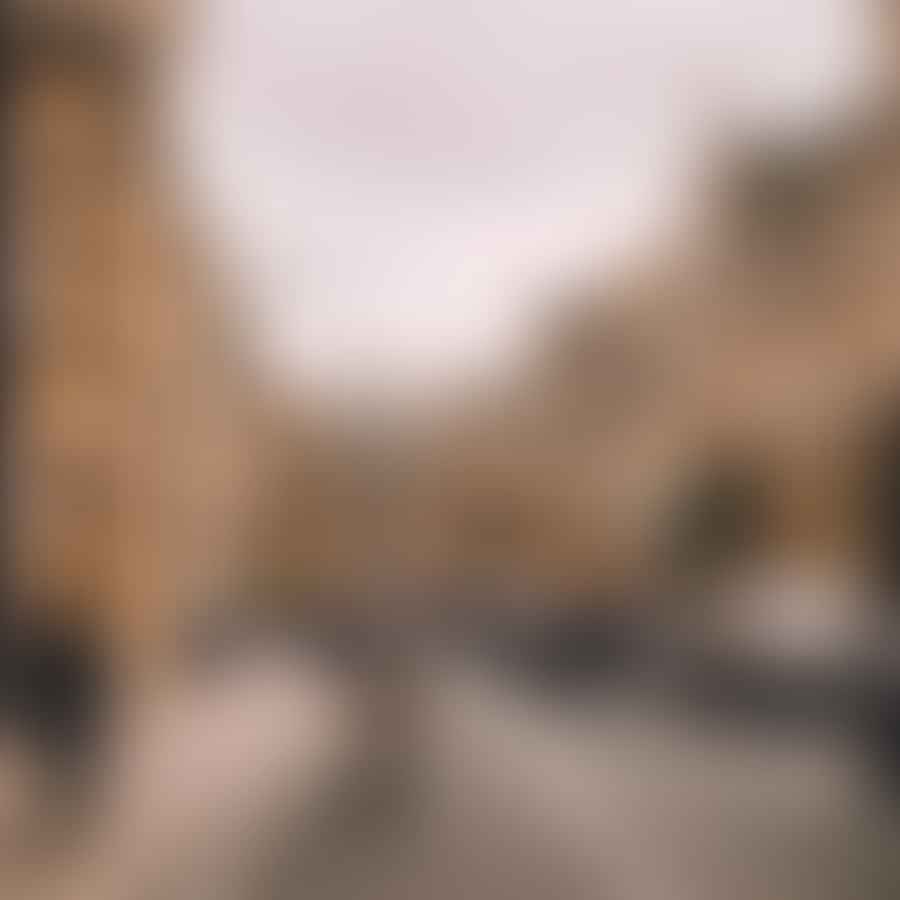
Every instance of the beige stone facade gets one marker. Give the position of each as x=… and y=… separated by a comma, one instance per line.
x=138, y=428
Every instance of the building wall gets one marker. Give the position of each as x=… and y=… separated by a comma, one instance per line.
x=138, y=432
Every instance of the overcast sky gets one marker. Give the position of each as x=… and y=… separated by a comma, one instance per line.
x=398, y=178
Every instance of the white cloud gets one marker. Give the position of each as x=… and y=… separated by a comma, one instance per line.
x=395, y=174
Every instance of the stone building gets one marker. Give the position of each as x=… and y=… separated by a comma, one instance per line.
x=726, y=419
x=138, y=423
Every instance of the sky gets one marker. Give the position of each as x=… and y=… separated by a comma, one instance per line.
x=401, y=183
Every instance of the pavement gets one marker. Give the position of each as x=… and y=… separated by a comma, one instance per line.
x=262, y=784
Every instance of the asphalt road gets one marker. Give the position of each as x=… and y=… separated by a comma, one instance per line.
x=261, y=785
